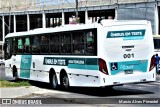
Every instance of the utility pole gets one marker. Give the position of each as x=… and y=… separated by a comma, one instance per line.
x=9, y=28
x=76, y=10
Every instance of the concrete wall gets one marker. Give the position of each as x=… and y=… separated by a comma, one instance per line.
x=28, y=5
x=15, y=5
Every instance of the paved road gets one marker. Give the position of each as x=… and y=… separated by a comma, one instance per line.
x=103, y=96
x=3, y=75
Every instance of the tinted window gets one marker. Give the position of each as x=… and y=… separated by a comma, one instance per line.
x=66, y=43
x=45, y=44
x=36, y=44
x=55, y=44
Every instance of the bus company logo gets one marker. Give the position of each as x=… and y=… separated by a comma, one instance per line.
x=114, y=66
x=25, y=60
x=6, y=101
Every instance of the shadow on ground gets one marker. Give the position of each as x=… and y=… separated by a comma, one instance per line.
x=94, y=91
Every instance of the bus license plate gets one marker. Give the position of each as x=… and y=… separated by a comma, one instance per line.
x=128, y=71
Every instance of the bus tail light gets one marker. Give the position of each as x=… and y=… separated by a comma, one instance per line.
x=152, y=63
x=103, y=66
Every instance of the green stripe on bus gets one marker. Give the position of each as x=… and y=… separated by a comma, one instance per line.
x=121, y=67
x=63, y=61
x=87, y=67
x=25, y=66
x=126, y=34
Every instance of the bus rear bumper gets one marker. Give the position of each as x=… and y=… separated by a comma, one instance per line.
x=128, y=78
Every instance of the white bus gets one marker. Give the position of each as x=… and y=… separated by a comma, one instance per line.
x=101, y=54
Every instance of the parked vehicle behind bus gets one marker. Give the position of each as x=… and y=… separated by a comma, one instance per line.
x=101, y=54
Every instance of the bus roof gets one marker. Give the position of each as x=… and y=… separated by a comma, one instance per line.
x=71, y=27
x=124, y=22
x=68, y=27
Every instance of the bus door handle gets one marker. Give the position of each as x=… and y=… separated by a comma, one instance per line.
x=33, y=64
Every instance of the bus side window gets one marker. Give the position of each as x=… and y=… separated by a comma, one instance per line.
x=90, y=42
x=27, y=45
x=36, y=44
x=20, y=45
x=78, y=42
x=7, y=49
x=66, y=43
x=55, y=44
x=45, y=44
x=15, y=45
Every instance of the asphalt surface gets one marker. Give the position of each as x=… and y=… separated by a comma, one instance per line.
x=3, y=75
x=78, y=95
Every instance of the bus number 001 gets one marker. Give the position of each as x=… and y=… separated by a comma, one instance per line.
x=128, y=55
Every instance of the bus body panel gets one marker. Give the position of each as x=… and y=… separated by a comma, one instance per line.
x=127, y=47
x=126, y=79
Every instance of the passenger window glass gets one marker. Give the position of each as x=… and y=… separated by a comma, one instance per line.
x=15, y=45
x=27, y=41
x=7, y=49
x=45, y=44
x=78, y=48
x=44, y=40
x=55, y=44
x=36, y=44
x=66, y=43
x=55, y=48
x=66, y=48
x=20, y=45
x=54, y=38
x=90, y=42
x=78, y=42
x=27, y=45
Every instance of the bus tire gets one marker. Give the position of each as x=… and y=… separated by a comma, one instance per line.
x=54, y=81
x=65, y=82
x=15, y=74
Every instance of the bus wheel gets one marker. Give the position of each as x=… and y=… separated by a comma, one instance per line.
x=54, y=81
x=65, y=82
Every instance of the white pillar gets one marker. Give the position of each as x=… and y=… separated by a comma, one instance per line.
x=14, y=18
x=86, y=16
x=44, y=19
x=3, y=26
x=63, y=18
x=156, y=20
x=28, y=22
x=116, y=13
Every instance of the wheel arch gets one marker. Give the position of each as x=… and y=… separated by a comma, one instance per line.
x=14, y=70
x=62, y=73
x=51, y=72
